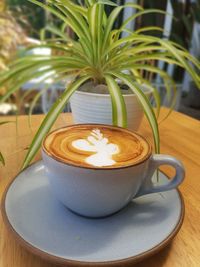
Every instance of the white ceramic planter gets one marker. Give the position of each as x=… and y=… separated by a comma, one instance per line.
x=94, y=107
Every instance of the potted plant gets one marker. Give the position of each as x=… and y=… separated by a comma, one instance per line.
x=99, y=54
x=91, y=103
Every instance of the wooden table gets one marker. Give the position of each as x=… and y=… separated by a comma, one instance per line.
x=180, y=137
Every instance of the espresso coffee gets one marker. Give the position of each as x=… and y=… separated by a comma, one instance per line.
x=96, y=146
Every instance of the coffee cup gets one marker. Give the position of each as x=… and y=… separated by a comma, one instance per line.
x=95, y=170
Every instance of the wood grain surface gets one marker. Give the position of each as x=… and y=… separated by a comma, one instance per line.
x=180, y=137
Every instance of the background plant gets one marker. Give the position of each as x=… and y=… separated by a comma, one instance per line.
x=32, y=18
x=11, y=36
x=99, y=53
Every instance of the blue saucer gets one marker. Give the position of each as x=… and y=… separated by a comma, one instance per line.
x=47, y=228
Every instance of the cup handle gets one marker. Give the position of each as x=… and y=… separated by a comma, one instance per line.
x=156, y=160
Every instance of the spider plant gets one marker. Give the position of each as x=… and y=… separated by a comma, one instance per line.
x=99, y=53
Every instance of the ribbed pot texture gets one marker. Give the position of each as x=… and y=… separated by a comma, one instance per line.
x=93, y=107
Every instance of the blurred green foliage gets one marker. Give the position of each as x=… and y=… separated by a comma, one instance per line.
x=30, y=16
x=186, y=13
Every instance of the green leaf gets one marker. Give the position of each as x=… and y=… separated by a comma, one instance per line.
x=39, y=94
x=110, y=22
x=144, y=82
x=168, y=81
x=181, y=59
x=149, y=28
x=146, y=105
x=31, y=71
x=96, y=18
x=76, y=18
x=87, y=49
x=118, y=104
x=93, y=12
x=71, y=48
x=50, y=119
x=2, y=160
x=90, y=2
x=71, y=22
x=132, y=58
x=177, y=54
x=99, y=30
x=87, y=3
x=55, y=30
x=50, y=9
x=80, y=9
x=106, y=2
x=141, y=13
x=28, y=75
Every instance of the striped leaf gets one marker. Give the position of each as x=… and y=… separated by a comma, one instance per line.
x=129, y=57
x=55, y=30
x=50, y=9
x=163, y=45
x=99, y=30
x=70, y=22
x=111, y=20
x=80, y=9
x=87, y=49
x=90, y=2
x=146, y=105
x=181, y=59
x=75, y=17
x=169, y=83
x=42, y=91
x=118, y=104
x=50, y=119
x=141, y=81
x=141, y=13
x=107, y=2
x=93, y=12
x=150, y=28
x=31, y=72
x=18, y=83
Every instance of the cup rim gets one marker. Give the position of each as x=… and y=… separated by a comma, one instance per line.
x=74, y=164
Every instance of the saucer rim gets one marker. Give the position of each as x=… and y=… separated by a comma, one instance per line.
x=74, y=263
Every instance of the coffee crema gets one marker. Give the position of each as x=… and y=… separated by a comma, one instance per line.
x=96, y=146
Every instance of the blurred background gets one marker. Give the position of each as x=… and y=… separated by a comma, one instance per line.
x=23, y=23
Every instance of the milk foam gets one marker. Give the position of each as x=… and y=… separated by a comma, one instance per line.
x=96, y=142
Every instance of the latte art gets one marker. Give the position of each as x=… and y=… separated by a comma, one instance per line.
x=97, y=146
x=96, y=142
